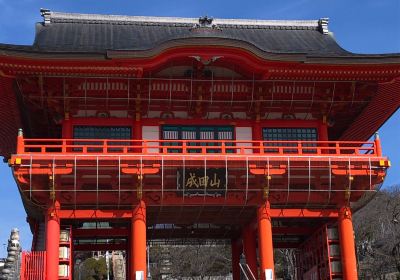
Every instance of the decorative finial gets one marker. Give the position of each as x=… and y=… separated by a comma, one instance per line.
x=323, y=25
x=20, y=132
x=205, y=21
x=45, y=13
x=376, y=135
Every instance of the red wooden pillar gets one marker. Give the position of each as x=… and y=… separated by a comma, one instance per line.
x=265, y=246
x=347, y=246
x=237, y=249
x=249, y=248
x=138, y=241
x=52, y=241
x=67, y=128
x=257, y=135
x=257, y=131
x=137, y=133
x=323, y=132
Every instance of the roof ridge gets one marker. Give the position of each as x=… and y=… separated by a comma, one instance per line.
x=52, y=17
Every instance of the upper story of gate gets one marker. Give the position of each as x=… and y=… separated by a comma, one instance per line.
x=111, y=102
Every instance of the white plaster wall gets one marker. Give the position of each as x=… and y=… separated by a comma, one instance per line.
x=244, y=134
x=151, y=133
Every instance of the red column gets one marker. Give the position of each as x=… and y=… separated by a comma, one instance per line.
x=249, y=248
x=257, y=131
x=52, y=241
x=137, y=133
x=237, y=249
x=323, y=132
x=257, y=135
x=265, y=247
x=138, y=250
x=347, y=246
x=67, y=129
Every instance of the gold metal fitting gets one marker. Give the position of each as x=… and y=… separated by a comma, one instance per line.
x=347, y=193
x=52, y=187
x=139, y=186
x=266, y=187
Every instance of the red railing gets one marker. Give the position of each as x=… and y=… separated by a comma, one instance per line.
x=190, y=147
x=33, y=265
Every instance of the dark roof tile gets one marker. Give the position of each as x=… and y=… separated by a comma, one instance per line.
x=99, y=33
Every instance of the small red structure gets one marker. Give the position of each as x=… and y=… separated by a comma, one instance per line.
x=146, y=128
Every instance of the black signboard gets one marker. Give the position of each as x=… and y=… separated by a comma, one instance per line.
x=200, y=181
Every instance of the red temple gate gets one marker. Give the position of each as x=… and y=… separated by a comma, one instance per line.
x=193, y=129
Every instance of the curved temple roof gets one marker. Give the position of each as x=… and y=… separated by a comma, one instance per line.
x=97, y=33
x=142, y=36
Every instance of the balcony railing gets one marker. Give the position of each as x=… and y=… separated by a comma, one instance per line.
x=203, y=147
x=101, y=172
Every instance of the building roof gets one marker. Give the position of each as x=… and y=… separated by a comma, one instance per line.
x=75, y=35
x=68, y=32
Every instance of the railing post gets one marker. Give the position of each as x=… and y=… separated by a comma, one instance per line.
x=299, y=147
x=20, y=142
x=143, y=147
x=105, y=146
x=378, y=147
x=64, y=145
x=184, y=149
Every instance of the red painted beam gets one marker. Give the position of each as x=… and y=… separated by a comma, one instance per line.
x=126, y=214
x=304, y=213
x=101, y=247
x=293, y=230
x=95, y=214
x=103, y=232
x=123, y=246
x=124, y=232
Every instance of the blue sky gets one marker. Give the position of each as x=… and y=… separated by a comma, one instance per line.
x=363, y=26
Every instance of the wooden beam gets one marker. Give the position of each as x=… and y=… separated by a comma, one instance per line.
x=126, y=214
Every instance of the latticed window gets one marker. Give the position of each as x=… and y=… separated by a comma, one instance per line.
x=170, y=132
x=290, y=134
x=102, y=132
